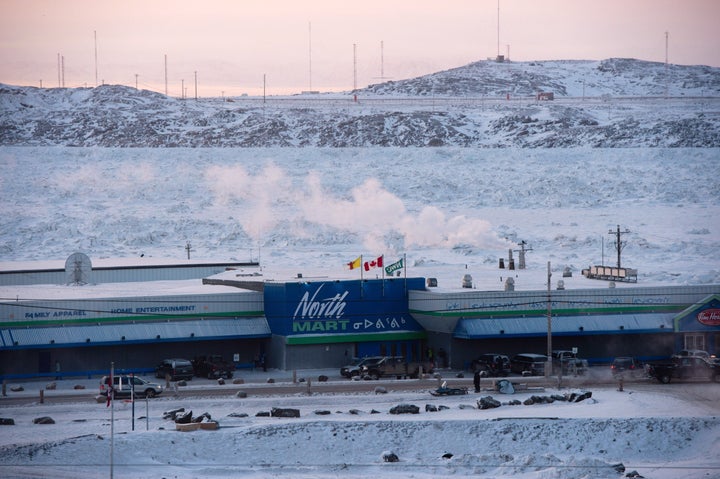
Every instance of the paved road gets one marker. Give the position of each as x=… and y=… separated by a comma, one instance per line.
x=700, y=392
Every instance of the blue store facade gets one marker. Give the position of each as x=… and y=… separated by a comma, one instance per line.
x=330, y=322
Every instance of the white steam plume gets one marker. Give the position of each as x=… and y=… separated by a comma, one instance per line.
x=269, y=200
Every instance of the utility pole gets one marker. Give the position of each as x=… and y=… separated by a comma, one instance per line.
x=196, y=85
x=548, y=364
x=136, y=81
x=166, y=86
x=619, y=245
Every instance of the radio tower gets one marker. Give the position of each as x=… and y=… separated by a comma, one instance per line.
x=667, y=34
x=354, y=66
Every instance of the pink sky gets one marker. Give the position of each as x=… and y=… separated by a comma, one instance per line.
x=231, y=44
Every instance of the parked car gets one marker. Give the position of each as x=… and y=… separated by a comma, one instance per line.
x=528, y=364
x=693, y=352
x=492, y=364
x=394, y=366
x=177, y=369
x=354, y=369
x=627, y=366
x=124, y=385
x=213, y=367
x=567, y=362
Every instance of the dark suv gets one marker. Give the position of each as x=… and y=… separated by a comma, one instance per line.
x=528, y=364
x=124, y=385
x=176, y=368
x=213, y=367
x=492, y=364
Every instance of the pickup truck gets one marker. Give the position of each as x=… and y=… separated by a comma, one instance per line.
x=684, y=367
x=394, y=366
x=566, y=362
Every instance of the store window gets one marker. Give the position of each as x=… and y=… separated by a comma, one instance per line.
x=695, y=341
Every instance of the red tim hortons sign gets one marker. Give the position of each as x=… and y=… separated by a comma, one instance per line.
x=709, y=317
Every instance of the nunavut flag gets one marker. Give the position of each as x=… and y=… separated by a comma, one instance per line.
x=355, y=263
x=376, y=263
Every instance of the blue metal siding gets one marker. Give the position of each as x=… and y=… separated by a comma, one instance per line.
x=476, y=328
x=201, y=330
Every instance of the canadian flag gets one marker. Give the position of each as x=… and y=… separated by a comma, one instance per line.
x=376, y=263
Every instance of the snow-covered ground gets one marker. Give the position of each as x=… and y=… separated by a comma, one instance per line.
x=660, y=431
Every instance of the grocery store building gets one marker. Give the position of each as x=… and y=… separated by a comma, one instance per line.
x=80, y=319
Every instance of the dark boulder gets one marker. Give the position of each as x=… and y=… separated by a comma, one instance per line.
x=390, y=457
x=284, y=412
x=204, y=417
x=172, y=414
x=183, y=417
x=405, y=409
x=488, y=402
x=43, y=420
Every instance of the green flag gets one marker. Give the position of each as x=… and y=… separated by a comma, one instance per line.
x=391, y=268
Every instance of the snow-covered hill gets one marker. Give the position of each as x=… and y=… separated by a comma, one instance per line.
x=612, y=103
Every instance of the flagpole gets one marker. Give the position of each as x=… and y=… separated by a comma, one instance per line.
x=405, y=270
x=361, y=276
x=383, y=274
x=111, y=392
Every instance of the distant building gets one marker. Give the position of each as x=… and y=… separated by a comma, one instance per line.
x=545, y=96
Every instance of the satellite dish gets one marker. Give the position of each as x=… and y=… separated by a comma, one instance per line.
x=77, y=269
